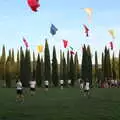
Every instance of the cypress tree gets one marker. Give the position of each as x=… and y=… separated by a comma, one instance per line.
x=2, y=63
x=113, y=68
x=61, y=65
x=68, y=65
x=72, y=70
x=109, y=65
x=47, y=73
x=27, y=65
x=8, y=72
x=12, y=57
x=42, y=69
x=84, y=64
x=38, y=72
x=96, y=67
x=89, y=68
x=105, y=64
x=54, y=68
x=13, y=65
x=101, y=72
x=34, y=65
x=102, y=62
x=64, y=70
x=18, y=65
x=22, y=67
x=77, y=65
x=119, y=65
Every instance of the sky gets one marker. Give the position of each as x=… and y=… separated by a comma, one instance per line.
x=17, y=20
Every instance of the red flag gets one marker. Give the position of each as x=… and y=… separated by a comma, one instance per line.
x=25, y=42
x=71, y=52
x=65, y=42
x=111, y=45
x=33, y=4
x=86, y=30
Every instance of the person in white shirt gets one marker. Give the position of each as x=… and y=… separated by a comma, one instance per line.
x=32, y=87
x=46, y=82
x=81, y=86
x=87, y=88
x=69, y=83
x=116, y=83
x=19, y=88
x=112, y=83
x=61, y=84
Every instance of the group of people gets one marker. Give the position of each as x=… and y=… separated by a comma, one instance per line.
x=84, y=86
x=109, y=83
x=19, y=88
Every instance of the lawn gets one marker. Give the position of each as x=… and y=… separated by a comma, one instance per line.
x=66, y=104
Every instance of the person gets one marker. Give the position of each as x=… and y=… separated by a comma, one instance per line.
x=69, y=83
x=112, y=83
x=46, y=82
x=87, y=88
x=116, y=83
x=32, y=87
x=19, y=88
x=81, y=86
x=61, y=84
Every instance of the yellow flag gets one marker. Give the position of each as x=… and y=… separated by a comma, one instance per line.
x=112, y=33
x=40, y=48
x=88, y=11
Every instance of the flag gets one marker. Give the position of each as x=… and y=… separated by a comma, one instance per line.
x=25, y=42
x=72, y=52
x=33, y=4
x=71, y=48
x=65, y=42
x=53, y=29
x=86, y=30
x=89, y=12
x=40, y=48
x=112, y=33
x=111, y=45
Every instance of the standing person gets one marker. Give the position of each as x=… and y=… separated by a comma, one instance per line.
x=32, y=87
x=69, y=83
x=19, y=88
x=87, y=88
x=61, y=84
x=81, y=86
x=46, y=82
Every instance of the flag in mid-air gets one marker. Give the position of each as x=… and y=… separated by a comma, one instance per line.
x=25, y=42
x=53, y=29
x=86, y=30
x=65, y=42
x=33, y=4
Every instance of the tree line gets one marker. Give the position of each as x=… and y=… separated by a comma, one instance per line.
x=69, y=68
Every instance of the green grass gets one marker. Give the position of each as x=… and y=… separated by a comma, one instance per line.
x=66, y=104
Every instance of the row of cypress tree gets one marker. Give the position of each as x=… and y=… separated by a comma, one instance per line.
x=70, y=67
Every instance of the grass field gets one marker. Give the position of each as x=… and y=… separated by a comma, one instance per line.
x=56, y=104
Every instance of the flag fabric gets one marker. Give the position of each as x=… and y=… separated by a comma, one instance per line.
x=72, y=52
x=53, y=29
x=112, y=33
x=25, y=42
x=111, y=45
x=65, y=42
x=33, y=4
x=89, y=12
x=40, y=48
x=71, y=48
x=86, y=30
